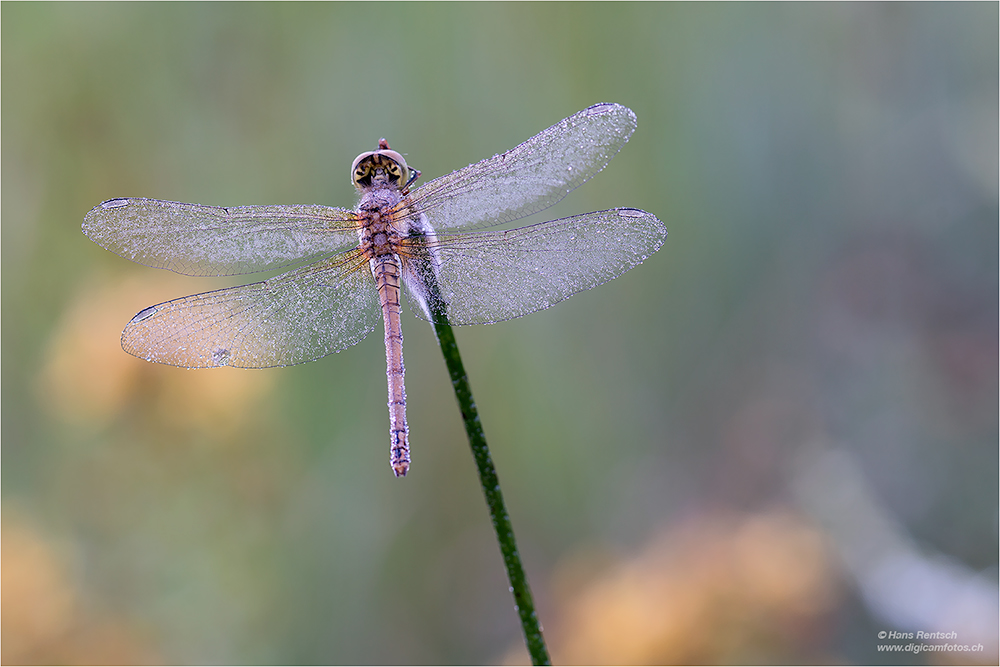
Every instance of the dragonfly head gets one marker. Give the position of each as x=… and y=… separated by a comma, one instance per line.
x=382, y=167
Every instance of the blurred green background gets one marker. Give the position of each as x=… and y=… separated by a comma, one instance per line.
x=771, y=441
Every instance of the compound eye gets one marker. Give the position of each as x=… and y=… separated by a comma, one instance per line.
x=361, y=170
x=394, y=164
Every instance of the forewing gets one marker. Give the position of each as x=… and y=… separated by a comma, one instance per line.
x=486, y=277
x=530, y=177
x=198, y=240
x=296, y=317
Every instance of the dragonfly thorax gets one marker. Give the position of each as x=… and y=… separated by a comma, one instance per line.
x=380, y=226
x=379, y=168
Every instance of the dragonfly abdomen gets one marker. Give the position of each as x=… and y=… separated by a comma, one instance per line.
x=386, y=270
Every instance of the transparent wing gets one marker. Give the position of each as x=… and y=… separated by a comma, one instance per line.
x=530, y=177
x=290, y=319
x=200, y=240
x=486, y=277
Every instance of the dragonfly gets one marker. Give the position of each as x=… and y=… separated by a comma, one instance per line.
x=347, y=268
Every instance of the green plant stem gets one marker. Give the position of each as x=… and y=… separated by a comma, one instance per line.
x=523, y=602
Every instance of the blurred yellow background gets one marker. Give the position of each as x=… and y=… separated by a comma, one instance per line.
x=775, y=439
